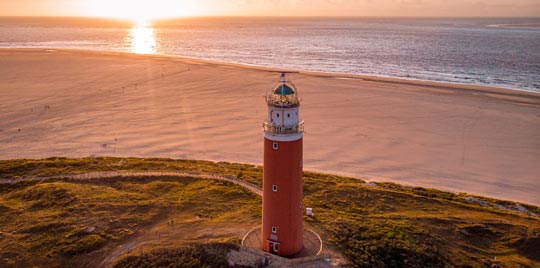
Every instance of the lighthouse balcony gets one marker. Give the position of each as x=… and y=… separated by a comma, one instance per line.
x=275, y=129
x=283, y=100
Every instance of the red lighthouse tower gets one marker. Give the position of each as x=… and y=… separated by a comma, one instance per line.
x=282, y=227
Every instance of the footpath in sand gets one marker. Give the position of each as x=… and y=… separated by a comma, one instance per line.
x=460, y=138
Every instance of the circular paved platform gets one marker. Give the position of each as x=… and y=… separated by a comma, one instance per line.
x=312, y=242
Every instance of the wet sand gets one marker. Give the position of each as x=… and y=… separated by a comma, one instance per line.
x=461, y=138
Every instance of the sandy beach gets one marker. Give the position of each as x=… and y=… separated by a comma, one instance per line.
x=461, y=138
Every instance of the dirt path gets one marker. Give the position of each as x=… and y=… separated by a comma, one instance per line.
x=119, y=251
x=110, y=174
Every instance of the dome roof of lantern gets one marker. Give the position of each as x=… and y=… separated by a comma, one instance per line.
x=283, y=89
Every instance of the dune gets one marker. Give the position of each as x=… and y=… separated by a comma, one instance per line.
x=460, y=138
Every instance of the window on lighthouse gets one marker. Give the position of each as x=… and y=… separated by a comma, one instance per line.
x=274, y=229
x=275, y=145
x=274, y=188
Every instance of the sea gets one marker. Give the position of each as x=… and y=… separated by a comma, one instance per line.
x=500, y=52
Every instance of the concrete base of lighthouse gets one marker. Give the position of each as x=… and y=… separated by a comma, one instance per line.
x=312, y=243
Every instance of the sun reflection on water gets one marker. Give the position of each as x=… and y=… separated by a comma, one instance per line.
x=142, y=38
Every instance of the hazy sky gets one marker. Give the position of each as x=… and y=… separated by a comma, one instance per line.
x=168, y=8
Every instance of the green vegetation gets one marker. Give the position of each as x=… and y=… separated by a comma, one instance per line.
x=388, y=225
x=386, y=244
x=79, y=223
x=63, y=223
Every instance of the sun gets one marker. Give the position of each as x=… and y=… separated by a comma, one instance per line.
x=143, y=10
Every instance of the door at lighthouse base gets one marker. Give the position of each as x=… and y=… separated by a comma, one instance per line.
x=273, y=246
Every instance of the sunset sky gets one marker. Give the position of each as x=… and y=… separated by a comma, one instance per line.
x=174, y=8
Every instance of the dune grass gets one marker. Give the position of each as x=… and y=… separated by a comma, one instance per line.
x=63, y=223
x=76, y=223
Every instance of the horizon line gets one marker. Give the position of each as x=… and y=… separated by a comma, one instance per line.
x=267, y=16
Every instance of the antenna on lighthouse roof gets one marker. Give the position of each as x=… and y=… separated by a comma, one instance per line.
x=283, y=77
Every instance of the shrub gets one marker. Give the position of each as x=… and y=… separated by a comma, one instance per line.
x=384, y=246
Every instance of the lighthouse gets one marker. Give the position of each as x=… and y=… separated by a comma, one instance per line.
x=282, y=227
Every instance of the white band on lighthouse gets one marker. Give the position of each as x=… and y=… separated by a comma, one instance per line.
x=283, y=137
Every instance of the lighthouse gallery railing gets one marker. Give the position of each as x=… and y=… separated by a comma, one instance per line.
x=282, y=100
x=283, y=129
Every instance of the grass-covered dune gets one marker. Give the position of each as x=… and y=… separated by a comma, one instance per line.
x=158, y=221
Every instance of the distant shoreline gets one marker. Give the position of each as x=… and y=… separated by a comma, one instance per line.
x=337, y=75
